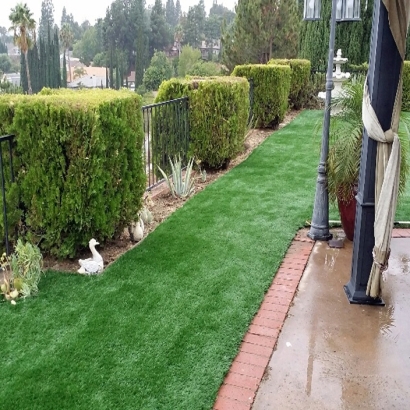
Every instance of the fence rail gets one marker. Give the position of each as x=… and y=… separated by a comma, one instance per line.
x=166, y=135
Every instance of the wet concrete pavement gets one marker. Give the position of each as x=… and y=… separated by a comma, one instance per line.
x=333, y=355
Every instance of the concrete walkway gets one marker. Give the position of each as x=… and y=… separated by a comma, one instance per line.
x=328, y=354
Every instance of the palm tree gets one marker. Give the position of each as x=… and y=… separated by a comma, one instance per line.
x=67, y=37
x=24, y=28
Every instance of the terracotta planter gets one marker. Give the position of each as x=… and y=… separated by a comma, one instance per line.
x=347, y=210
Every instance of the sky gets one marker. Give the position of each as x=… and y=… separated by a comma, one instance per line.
x=87, y=10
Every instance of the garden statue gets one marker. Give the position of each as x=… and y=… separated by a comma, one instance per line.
x=136, y=230
x=94, y=265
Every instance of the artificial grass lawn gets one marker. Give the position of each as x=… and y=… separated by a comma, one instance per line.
x=161, y=326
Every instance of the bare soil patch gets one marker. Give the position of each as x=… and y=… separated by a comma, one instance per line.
x=161, y=204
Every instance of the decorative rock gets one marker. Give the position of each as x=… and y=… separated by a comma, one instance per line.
x=136, y=231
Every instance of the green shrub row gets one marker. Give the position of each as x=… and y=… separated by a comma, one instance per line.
x=299, y=81
x=218, y=114
x=271, y=87
x=78, y=164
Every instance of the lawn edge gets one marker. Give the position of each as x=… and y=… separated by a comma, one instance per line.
x=250, y=365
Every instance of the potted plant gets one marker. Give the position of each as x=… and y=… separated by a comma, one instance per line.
x=345, y=143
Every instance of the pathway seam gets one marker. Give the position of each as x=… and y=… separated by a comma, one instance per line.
x=240, y=385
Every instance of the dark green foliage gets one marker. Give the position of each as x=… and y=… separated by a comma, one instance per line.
x=218, y=114
x=44, y=65
x=194, y=24
x=158, y=71
x=5, y=63
x=161, y=35
x=3, y=48
x=406, y=86
x=46, y=20
x=64, y=73
x=299, y=82
x=81, y=173
x=262, y=30
x=270, y=93
x=353, y=38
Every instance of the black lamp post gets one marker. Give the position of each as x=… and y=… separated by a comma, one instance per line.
x=342, y=10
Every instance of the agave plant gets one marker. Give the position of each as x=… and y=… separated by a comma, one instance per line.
x=180, y=186
x=346, y=131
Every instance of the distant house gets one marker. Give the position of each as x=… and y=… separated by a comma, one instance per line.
x=213, y=47
x=12, y=50
x=94, y=77
x=13, y=78
x=131, y=80
x=174, y=50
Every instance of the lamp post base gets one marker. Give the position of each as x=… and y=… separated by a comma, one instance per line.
x=360, y=298
x=319, y=234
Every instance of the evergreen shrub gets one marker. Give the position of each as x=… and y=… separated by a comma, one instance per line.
x=79, y=166
x=218, y=115
x=299, y=81
x=270, y=93
x=406, y=86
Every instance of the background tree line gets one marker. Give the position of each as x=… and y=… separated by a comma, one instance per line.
x=134, y=37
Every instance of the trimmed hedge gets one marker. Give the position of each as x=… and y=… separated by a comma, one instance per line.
x=299, y=82
x=79, y=166
x=270, y=92
x=218, y=115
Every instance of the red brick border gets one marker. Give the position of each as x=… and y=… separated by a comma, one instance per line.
x=401, y=233
x=242, y=381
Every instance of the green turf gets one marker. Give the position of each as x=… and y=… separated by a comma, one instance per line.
x=160, y=327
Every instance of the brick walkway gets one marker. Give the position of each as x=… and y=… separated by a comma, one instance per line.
x=247, y=370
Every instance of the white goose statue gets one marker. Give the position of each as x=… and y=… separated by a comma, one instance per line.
x=94, y=265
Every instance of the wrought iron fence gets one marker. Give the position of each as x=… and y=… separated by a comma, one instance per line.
x=166, y=130
x=6, y=139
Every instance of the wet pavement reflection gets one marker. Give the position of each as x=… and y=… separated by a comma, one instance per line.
x=333, y=355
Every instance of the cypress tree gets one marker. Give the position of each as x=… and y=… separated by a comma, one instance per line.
x=64, y=73
x=43, y=62
x=117, y=74
x=111, y=69
x=23, y=74
x=57, y=59
x=34, y=69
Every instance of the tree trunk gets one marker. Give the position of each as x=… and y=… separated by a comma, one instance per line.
x=30, y=91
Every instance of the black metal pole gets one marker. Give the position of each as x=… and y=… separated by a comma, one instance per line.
x=319, y=229
x=383, y=78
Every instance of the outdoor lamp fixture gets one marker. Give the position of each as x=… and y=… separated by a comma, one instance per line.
x=342, y=10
